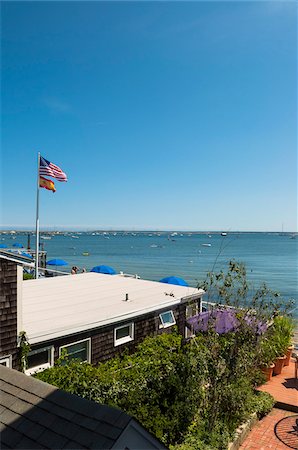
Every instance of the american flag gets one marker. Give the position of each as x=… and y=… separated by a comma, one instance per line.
x=51, y=170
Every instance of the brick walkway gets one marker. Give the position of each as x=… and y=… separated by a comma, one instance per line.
x=284, y=388
x=262, y=436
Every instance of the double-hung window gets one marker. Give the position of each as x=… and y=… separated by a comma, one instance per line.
x=123, y=334
x=39, y=360
x=167, y=319
x=79, y=350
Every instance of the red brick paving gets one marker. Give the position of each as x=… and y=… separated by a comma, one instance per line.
x=284, y=388
x=262, y=436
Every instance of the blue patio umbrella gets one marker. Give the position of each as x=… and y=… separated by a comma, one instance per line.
x=18, y=245
x=3, y=246
x=104, y=269
x=174, y=280
x=27, y=255
x=57, y=262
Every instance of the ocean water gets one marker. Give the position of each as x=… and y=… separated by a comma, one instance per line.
x=269, y=257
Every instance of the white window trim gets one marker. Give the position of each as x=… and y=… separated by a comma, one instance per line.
x=188, y=334
x=44, y=366
x=7, y=360
x=78, y=342
x=124, y=339
x=166, y=325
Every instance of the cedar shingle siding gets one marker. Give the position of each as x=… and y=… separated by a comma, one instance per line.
x=102, y=339
x=8, y=310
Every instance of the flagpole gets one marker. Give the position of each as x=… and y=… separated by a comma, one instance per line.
x=37, y=219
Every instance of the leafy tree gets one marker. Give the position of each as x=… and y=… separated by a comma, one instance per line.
x=231, y=288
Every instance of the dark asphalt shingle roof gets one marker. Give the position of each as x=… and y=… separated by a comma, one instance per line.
x=34, y=414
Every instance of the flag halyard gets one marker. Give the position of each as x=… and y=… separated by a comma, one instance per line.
x=51, y=170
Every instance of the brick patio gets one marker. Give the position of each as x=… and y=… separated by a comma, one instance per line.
x=284, y=388
x=262, y=436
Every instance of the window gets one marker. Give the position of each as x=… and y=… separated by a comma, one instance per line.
x=191, y=310
x=39, y=360
x=167, y=319
x=78, y=350
x=5, y=361
x=123, y=334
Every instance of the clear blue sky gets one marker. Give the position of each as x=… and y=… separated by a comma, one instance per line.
x=163, y=115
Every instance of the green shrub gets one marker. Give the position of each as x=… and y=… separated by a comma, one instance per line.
x=28, y=276
x=157, y=385
x=283, y=328
x=262, y=403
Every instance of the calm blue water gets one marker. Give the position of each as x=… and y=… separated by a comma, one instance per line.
x=269, y=258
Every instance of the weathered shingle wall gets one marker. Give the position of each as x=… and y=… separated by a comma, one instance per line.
x=8, y=310
x=102, y=339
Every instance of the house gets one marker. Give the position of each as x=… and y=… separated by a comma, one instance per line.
x=91, y=316
x=35, y=414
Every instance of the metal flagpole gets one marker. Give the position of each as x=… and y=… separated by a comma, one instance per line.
x=37, y=220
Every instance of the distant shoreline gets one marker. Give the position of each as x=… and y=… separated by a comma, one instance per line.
x=124, y=230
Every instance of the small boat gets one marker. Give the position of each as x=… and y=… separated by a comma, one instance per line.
x=45, y=237
x=206, y=245
x=85, y=253
x=153, y=245
x=223, y=234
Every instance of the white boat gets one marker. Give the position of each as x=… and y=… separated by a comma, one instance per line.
x=223, y=234
x=206, y=245
x=45, y=237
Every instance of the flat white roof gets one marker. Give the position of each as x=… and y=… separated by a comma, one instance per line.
x=58, y=306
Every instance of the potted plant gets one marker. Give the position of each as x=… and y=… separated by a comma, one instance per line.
x=288, y=355
x=289, y=327
x=267, y=356
x=282, y=335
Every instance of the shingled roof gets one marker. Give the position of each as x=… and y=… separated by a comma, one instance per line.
x=34, y=414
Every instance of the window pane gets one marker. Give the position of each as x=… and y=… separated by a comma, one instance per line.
x=78, y=351
x=37, y=359
x=122, y=332
x=167, y=318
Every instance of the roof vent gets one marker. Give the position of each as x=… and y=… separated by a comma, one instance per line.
x=126, y=298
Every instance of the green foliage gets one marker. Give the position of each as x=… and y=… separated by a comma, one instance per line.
x=282, y=331
x=27, y=276
x=262, y=403
x=192, y=396
x=275, y=340
x=157, y=384
x=24, y=349
x=227, y=362
x=231, y=287
x=74, y=377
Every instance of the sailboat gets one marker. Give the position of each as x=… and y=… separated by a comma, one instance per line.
x=282, y=231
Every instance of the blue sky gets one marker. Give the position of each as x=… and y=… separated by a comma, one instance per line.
x=163, y=115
